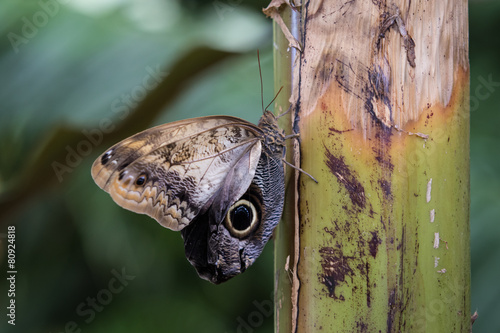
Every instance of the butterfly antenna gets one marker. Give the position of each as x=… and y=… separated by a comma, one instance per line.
x=262, y=87
x=261, y=84
x=274, y=98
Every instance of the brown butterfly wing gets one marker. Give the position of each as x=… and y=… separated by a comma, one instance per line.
x=172, y=172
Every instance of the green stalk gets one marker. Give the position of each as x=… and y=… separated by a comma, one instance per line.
x=381, y=243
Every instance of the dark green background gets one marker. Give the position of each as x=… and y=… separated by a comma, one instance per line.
x=71, y=73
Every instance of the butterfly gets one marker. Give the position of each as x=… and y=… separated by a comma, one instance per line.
x=219, y=180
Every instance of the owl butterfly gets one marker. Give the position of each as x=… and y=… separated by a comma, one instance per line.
x=219, y=180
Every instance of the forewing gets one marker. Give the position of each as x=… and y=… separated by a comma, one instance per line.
x=172, y=172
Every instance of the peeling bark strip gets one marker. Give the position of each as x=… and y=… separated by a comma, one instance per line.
x=273, y=11
x=378, y=93
x=390, y=20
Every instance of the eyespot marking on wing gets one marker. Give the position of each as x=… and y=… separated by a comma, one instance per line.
x=106, y=157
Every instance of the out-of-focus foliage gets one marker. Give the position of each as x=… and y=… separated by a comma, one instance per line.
x=86, y=65
x=485, y=163
x=73, y=67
